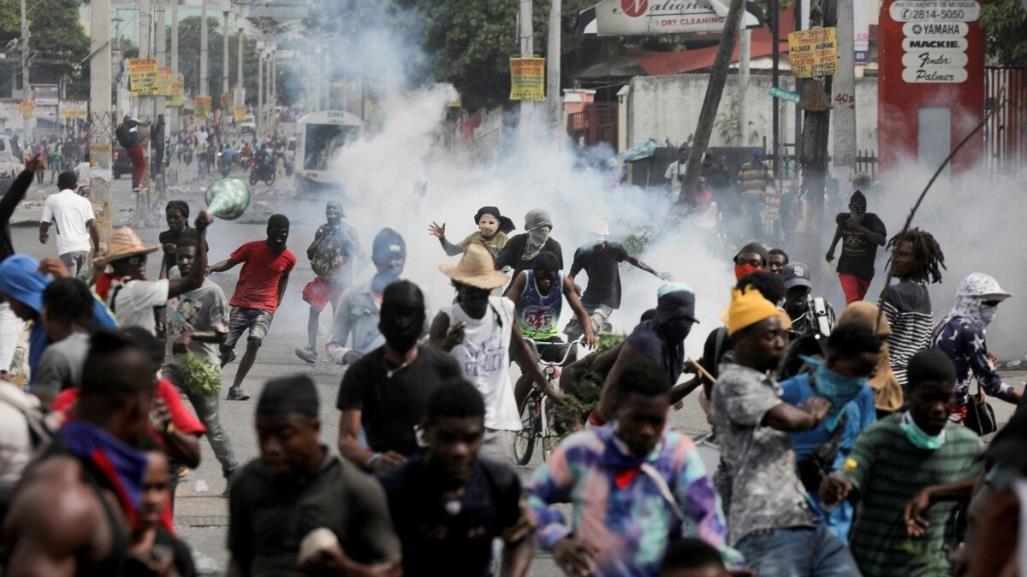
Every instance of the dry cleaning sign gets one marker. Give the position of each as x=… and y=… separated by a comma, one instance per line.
x=934, y=39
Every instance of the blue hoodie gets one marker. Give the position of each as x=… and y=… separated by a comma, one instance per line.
x=21, y=281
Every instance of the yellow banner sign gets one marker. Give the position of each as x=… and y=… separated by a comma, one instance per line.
x=27, y=107
x=813, y=53
x=240, y=113
x=165, y=82
x=226, y=101
x=73, y=109
x=201, y=107
x=528, y=79
x=142, y=75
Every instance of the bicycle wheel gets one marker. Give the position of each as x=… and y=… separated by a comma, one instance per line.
x=524, y=442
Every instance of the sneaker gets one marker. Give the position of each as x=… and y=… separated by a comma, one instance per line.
x=307, y=354
x=235, y=394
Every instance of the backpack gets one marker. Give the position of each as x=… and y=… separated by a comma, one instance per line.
x=124, y=139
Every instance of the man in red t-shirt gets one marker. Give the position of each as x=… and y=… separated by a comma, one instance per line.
x=258, y=292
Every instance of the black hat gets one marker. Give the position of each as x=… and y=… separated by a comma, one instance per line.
x=296, y=394
x=757, y=248
x=505, y=224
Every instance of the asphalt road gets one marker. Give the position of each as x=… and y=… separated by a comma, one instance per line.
x=200, y=511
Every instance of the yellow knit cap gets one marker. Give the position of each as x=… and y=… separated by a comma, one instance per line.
x=748, y=308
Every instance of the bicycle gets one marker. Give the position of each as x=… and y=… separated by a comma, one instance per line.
x=537, y=423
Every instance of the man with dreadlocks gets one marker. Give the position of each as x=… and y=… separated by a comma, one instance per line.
x=916, y=258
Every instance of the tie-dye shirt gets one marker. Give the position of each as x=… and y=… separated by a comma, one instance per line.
x=619, y=509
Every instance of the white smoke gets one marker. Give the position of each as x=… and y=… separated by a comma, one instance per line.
x=384, y=174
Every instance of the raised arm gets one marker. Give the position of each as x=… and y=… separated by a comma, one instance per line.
x=634, y=261
x=16, y=193
x=177, y=286
x=224, y=265
x=785, y=417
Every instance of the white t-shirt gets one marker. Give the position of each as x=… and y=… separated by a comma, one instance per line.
x=132, y=302
x=484, y=358
x=674, y=170
x=69, y=214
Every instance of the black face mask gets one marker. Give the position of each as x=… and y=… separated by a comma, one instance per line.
x=401, y=325
x=676, y=331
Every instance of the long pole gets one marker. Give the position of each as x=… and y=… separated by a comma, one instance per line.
x=260, y=89
x=844, y=102
x=225, y=89
x=174, y=59
x=527, y=37
x=714, y=90
x=26, y=89
x=101, y=122
x=553, y=98
x=744, y=57
x=239, y=60
x=161, y=52
x=204, y=51
x=775, y=57
x=143, y=110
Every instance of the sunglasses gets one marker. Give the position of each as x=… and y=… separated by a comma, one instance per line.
x=991, y=303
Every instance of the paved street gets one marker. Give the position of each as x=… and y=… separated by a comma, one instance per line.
x=201, y=514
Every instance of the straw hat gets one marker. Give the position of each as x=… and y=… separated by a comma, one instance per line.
x=476, y=268
x=124, y=243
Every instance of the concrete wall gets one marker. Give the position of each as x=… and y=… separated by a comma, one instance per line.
x=667, y=108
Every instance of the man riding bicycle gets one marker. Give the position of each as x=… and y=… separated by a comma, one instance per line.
x=538, y=303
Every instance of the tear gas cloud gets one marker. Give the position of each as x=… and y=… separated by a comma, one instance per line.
x=978, y=219
x=406, y=175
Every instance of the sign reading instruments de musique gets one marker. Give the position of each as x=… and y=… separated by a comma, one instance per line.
x=527, y=79
x=934, y=38
x=813, y=52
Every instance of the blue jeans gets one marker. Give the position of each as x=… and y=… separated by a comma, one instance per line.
x=798, y=552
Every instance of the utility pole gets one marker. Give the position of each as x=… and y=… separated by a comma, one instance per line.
x=744, y=57
x=843, y=103
x=101, y=121
x=714, y=90
x=204, y=51
x=225, y=88
x=143, y=105
x=26, y=88
x=775, y=104
x=816, y=129
x=260, y=88
x=174, y=60
x=241, y=101
x=160, y=50
x=553, y=98
x=527, y=36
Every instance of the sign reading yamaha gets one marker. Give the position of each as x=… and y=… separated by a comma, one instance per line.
x=934, y=40
x=647, y=17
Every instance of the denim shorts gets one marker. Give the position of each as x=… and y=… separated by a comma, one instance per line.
x=240, y=319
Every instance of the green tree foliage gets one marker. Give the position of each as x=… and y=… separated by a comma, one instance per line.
x=1005, y=26
x=470, y=43
x=57, y=40
x=189, y=58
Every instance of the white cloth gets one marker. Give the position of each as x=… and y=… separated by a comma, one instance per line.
x=69, y=213
x=133, y=302
x=15, y=442
x=674, y=170
x=484, y=358
x=10, y=332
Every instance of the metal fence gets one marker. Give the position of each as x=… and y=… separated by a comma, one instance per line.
x=1005, y=134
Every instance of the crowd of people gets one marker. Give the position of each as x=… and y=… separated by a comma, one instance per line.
x=847, y=443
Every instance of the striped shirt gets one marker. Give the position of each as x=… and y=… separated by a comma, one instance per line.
x=887, y=471
x=908, y=308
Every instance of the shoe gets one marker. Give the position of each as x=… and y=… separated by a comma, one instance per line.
x=227, y=356
x=307, y=354
x=235, y=394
